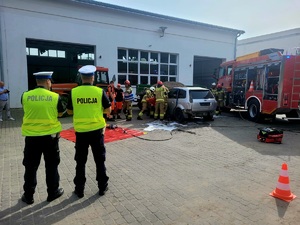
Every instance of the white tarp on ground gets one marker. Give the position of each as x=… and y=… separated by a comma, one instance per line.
x=162, y=126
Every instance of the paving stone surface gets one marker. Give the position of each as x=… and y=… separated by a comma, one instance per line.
x=202, y=173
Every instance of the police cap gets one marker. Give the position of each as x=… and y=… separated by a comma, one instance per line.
x=87, y=70
x=43, y=75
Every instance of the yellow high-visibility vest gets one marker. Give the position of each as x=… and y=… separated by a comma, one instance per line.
x=40, y=113
x=87, y=108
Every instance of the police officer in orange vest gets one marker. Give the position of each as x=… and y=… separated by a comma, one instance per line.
x=88, y=103
x=41, y=129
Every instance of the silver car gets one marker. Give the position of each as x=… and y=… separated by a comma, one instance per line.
x=190, y=102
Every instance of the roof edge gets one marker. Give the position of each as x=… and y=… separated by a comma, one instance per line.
x=155, y=15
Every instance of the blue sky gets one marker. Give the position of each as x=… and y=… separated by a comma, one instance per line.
x=255, y=17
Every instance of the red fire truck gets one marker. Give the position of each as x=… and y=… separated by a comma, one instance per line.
x=265, y=83
x=64, y=89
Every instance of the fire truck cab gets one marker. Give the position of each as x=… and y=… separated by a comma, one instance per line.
x=64, y=89
x=101, y=80
x=265, y=83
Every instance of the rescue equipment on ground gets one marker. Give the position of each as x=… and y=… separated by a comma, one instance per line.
x=270, y=135
x=283, y=190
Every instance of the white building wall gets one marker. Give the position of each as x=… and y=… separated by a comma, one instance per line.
x=287, y=40
x=107, y=29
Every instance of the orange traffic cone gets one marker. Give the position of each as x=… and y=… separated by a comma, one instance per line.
x=251, y=88
x=283, y=190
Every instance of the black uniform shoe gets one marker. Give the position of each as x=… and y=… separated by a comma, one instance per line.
x=28, y=200
x=79, y=194
x=57, y=194
x=139, y=118
x=102, y=191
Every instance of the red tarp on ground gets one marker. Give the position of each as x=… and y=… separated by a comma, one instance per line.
x=110, y=134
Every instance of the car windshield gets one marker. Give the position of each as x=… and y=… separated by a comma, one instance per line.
x=201, y=94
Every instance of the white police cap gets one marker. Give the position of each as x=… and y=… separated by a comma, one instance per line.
x=87, y=70
x=43, y=75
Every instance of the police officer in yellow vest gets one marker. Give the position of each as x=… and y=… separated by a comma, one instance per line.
x=41, y=129
x=88, y=103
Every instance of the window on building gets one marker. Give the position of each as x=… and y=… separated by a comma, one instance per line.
x=133, y=68
x=121, y=79
x=153, y=80
x=173, y=70
x=164, y=70
x=133, y=79
x=61, y=54
x=52, y=53
x=154, y=69
x=133, y=55
x=164, y=78
x=122, y=54
x=144, y=57
x=45, y=52
x=122, y=67
x=146, y=67
x=173, y=58
x=144, y=80
x=164, y=57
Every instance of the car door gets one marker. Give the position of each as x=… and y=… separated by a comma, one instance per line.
x=172, y=100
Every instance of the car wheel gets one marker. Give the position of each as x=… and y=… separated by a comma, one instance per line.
x=208, y=117
x=178, y=115
x=254, y=111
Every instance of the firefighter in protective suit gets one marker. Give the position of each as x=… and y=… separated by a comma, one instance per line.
x=151, y=102
x=128, y=98
x=144, y=104
x=220, y=98
x=213, y=88
x=160, y=101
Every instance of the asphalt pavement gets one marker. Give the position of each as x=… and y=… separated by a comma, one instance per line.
x=201, y=172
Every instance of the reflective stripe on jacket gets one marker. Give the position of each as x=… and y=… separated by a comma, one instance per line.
x=128, y=95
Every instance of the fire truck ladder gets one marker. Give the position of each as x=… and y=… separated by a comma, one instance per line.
x=295, y=98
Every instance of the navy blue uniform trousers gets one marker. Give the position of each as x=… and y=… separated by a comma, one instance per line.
x=95, y=139
x=34, y=148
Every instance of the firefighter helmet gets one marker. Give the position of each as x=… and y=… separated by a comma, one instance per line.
x=152, y=88
x=159, y=82
x=127, y=82
x=118, y=85
x=219, y=86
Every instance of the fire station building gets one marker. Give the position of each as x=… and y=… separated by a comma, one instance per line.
x=288, y=40
x=140, y=46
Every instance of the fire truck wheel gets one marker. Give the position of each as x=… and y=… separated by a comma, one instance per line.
x=254, y=111
x=178, y=115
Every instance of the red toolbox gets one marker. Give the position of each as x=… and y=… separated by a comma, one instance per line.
x=270, y=135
